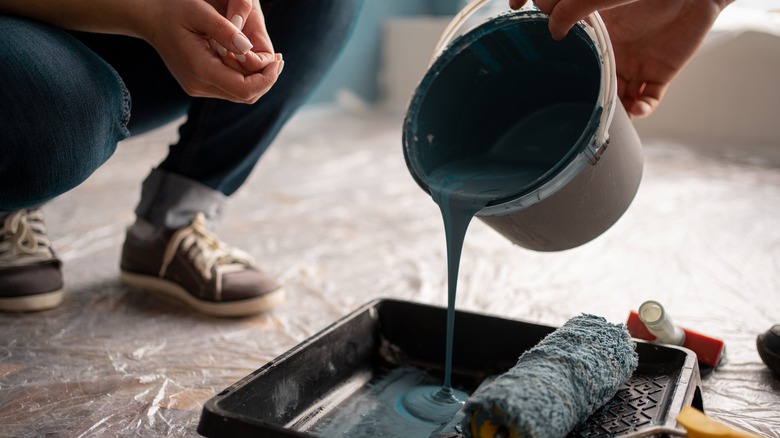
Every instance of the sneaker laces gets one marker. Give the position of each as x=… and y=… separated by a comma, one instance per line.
x=23, y=239
x=205, y=251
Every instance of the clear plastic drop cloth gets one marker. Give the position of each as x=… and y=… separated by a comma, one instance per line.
x=333, y=212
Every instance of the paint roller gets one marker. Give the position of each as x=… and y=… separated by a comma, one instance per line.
x=555, y=385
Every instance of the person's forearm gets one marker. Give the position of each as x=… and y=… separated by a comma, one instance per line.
x=106, y=16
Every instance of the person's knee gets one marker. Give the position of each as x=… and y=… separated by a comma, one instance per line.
x=28, y=179
x=62, y=113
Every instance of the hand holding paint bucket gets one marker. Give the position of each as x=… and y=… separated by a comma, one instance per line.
x=504, y=92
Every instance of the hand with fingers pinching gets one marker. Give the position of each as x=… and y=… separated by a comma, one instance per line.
x=245, y=65
x=652, y=40
x=247, y=17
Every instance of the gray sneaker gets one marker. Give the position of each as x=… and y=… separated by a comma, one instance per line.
x=30, y=273
x=192, y=265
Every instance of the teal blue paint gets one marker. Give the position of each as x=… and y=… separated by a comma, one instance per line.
x=376, y=409
x=492, y=86
x=495, y=117
x=432, y=404
x=461, y=189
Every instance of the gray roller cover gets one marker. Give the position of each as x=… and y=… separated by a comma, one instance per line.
x=557, y=384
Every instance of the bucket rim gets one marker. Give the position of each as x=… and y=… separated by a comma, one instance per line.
x=594, y=27
x=585, y=151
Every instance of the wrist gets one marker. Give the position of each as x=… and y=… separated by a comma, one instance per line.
x=142, y=18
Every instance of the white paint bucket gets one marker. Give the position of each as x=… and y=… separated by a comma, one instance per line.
x=506, y=84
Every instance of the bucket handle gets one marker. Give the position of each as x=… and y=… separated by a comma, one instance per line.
x=596, y=29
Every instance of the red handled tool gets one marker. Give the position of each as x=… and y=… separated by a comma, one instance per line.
x=652, y=323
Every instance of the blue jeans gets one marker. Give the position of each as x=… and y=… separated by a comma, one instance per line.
x=65, y=103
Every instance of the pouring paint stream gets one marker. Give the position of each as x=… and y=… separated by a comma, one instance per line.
x=461, y=189
x=498, y=114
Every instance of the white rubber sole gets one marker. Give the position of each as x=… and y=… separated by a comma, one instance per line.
x=229, y=309
x=33, y=303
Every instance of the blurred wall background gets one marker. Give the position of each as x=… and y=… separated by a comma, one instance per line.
x=358, y=68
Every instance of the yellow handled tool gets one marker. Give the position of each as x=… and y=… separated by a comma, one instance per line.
x=696, y=424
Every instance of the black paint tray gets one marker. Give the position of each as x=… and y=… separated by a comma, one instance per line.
x=293, y=395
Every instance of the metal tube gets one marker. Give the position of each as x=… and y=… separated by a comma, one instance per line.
x=659, y=323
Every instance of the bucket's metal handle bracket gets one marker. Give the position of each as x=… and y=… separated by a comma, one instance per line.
x=595, y=156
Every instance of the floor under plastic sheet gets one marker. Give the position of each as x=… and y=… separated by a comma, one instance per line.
x=333, y=212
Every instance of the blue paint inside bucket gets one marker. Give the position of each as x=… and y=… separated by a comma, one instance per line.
x=506, y=90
